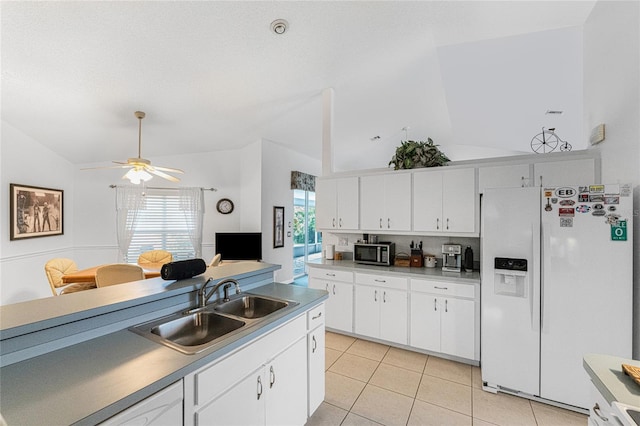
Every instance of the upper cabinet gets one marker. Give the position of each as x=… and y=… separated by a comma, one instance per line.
x=570, y=172
x=385, y=202
x=337, y=203
x=512, y=176
x=444, y=201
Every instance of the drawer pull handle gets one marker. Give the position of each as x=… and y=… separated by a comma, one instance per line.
x=441, y=288
x=596, y=408
x=380, y=281
x=317, y=316
x=259, y=387
x=330, y=275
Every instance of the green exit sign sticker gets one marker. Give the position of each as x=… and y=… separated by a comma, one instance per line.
x=619, y=231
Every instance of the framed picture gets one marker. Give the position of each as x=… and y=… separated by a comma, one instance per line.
x=278, y=227
x=35, y=211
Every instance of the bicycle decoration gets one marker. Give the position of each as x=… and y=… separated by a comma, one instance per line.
x=547, y=141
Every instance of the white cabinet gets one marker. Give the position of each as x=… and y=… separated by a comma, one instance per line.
x=339, y=306
x=385, y=202
x=161, y=408
x=444, y=201
x=337, y=203
x=262, y=383
x=568, y=172
x=315, y=358
x=381, y=307
x=442, y=318
x=510, y=176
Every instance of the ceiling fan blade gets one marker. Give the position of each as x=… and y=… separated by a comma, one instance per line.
x=153, y=171
x=124, y=166
x=168, y=169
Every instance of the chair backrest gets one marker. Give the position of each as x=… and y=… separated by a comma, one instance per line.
x=155, y=256
x=55, y=269
x=118, y=273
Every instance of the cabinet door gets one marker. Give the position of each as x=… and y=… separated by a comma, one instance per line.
x=512, y=176
x=243, y=404
x=161, y=408
x=339, y=306
x=427, y=201
x=367, y=310
x=347, y=210
x=286, y=387
x=393, y=316
x=458, y=327
x=372, y=203
x=425, y=322
x=315, y=353
x=562, y=173
x=326, y=200
x=459, y=200
x=397, y=202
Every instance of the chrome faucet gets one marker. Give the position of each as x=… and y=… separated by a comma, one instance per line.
x=203, y=296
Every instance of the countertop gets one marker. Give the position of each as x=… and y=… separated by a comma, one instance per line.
x=427, y=273
x=607, y=376
x=91, y=381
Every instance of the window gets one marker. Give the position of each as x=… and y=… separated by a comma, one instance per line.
x=164, y=219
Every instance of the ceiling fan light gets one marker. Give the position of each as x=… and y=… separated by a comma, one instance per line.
x=136, y=175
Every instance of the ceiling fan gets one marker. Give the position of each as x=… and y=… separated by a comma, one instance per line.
x=141, y=168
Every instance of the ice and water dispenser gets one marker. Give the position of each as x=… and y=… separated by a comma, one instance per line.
x=510, y=276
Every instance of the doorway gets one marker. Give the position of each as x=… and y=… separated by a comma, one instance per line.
x=307, y=243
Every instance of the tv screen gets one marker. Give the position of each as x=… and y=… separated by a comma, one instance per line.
x=239, y=245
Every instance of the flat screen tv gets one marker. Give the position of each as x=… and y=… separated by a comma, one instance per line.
x=239, y=245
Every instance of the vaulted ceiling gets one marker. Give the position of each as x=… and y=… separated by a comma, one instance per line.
x=213, y=76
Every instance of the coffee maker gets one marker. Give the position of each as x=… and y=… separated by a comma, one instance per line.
x=451, y=257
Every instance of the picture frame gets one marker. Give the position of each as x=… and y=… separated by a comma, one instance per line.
x=35, y=212
x=278, y=226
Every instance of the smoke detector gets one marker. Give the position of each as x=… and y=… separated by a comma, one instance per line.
x=279, y=26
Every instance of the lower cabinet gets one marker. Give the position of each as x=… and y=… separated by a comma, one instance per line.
x=339, y=306
x=162, y=408
x=264, y=383
x=315, y=358
x=442, y=322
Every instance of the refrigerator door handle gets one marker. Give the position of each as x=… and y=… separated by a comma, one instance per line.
x=545, y=258
x=534, y=282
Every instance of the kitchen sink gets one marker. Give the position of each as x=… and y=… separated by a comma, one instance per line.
x=197, y=328
x=251, y=306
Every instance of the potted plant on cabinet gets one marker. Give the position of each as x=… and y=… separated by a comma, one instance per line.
x=416, y=154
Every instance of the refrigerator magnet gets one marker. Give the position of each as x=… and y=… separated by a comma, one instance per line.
x=611, y=199
x=567, y=202
x=566, y=212
x=566, y=222
x=598, y=213
x=596, y=189
x=583, y=198
x=583, y=208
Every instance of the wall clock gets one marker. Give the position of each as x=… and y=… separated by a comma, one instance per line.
x=225, y=206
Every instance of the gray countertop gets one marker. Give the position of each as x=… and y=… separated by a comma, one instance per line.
x=427, y=273
x=91, y=381
x=612, y=383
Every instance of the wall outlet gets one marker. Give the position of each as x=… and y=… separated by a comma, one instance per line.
x=343, y=241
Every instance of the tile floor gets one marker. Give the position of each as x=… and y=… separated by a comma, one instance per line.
x=369, y=384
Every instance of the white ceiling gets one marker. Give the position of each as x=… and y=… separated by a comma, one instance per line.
x=211, y=76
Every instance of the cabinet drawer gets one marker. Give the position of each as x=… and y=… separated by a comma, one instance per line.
x=331, y=274
x=315, y=317
x=215, y=379
x=398, y=283
x=444, y=288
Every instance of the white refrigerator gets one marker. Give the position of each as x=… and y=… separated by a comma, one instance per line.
x=556, y=284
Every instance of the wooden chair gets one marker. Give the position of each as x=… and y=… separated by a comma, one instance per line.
x=157, y=257
x=118, y=273
x=55, y=269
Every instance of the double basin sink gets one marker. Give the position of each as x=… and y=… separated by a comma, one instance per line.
x=198, y=329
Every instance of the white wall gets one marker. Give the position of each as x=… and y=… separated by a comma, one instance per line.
x=612, y=97
x=27, y=162
x=277, y=164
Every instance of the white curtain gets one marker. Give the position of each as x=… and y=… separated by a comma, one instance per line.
x=192, y=206
x=130, y=200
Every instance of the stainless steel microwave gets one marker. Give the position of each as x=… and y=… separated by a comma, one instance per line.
x=374, y=254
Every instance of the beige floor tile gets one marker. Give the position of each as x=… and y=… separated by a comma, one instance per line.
x=383, y=406
x=548, y=415
x=449, y=370
x=446, y=394
x=367, y=349
x=396, y=379
x=478, y=422
x=336, y=341
x=353, y=366
x=425, y=414
x=341, y=391
x=476, y=377
x=502, y=409
x=330, y=356
x=327, y=414
x=355, y=420
x=413, y=361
